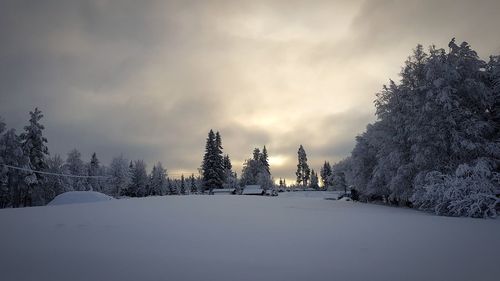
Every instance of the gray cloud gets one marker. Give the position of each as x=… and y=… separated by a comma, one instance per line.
x=149, y=78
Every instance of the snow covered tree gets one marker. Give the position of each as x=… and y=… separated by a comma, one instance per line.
x=256, y=170
x=213, y=166
x=55, y=185
x=138, y=180
x=326, y=175
x=182, y=187
x=440, y=118
x=119, y=176
x=75, y=166
x=192, y=184
x=470, y=191
x=264, y=158
x=14, y=183
x=314, y=180
x=227, y=163
x=34, y=146
x=95, y=170
x=158, y=180
x=303, y=172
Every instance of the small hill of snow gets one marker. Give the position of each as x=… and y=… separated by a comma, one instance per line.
x=76, y=197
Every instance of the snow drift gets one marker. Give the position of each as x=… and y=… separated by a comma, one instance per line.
x=76, y=197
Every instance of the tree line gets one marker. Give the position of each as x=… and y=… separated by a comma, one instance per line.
x=29, y=176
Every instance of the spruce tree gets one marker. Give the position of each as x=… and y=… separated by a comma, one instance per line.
x=183, y=186
x=193, y=186
x=264, y=159
x=314, y=180
x=326, y=175
x=212, y=166
x=34, y=146
x=94, y=170
x=303, y=172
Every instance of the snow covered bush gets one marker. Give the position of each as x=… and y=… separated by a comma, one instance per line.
x=470, y=191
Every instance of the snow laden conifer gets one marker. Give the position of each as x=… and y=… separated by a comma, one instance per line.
x=212, y=167
x=158, y=180
x=192, y=184
x=119, y=176
x=326, y=175
x=314, y=180
x=256, y=170
x=230, y=177
x=75, y=166
x=138, y=180
x=182, y=187
x=303, y=172
x=95, y=170
x=14, y=183
x=34, y=146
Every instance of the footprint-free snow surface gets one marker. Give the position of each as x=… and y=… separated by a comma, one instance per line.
x=243, y=238
x=75, y=197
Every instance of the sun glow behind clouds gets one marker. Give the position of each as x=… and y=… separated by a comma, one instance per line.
x=278, y=160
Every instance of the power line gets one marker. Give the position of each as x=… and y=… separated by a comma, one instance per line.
x=52, y=174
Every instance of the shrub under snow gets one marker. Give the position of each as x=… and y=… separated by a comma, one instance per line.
x=470, y=191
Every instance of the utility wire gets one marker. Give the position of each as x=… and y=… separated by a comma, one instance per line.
x=52, y=174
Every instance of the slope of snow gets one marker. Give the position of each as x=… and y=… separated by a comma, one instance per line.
x=75, y=197
x=231, y=237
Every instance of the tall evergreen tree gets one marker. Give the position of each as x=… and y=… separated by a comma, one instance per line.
x=119, y=173
x=182, y=185
x=264, y=158
x=314, y=180
x=212, y=166
x=193, y=186
x=95, y=170
x=75, y=166
x=15, y=183
x=138, y=180
x=303, y=172
x=34, y=146
x=326, y=175
x=158, y=180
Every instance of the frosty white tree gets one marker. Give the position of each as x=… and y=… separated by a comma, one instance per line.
x=436, y=134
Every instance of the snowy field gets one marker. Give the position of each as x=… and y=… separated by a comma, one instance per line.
x=289, y=237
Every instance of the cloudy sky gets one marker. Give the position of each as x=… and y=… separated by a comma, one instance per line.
x=149, y=79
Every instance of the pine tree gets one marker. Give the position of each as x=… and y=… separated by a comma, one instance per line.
x=138, y=180
x=264, y=159
x=212, y=166
x=158, y=180
x=193, y=186
x=326, y=175
x=219, y=156
x=75, y=166
x=94, y=170
x=183, y=187
x=119, y=176
x=15, y=183
x=34, y=146
x=303, y=172
x=314, y=180
x=227, y=163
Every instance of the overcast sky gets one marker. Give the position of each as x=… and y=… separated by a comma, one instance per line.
x=149, y=79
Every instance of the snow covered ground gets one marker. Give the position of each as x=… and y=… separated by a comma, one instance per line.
x=231, y=237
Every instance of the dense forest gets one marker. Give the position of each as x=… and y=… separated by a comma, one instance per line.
x=436, y=143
